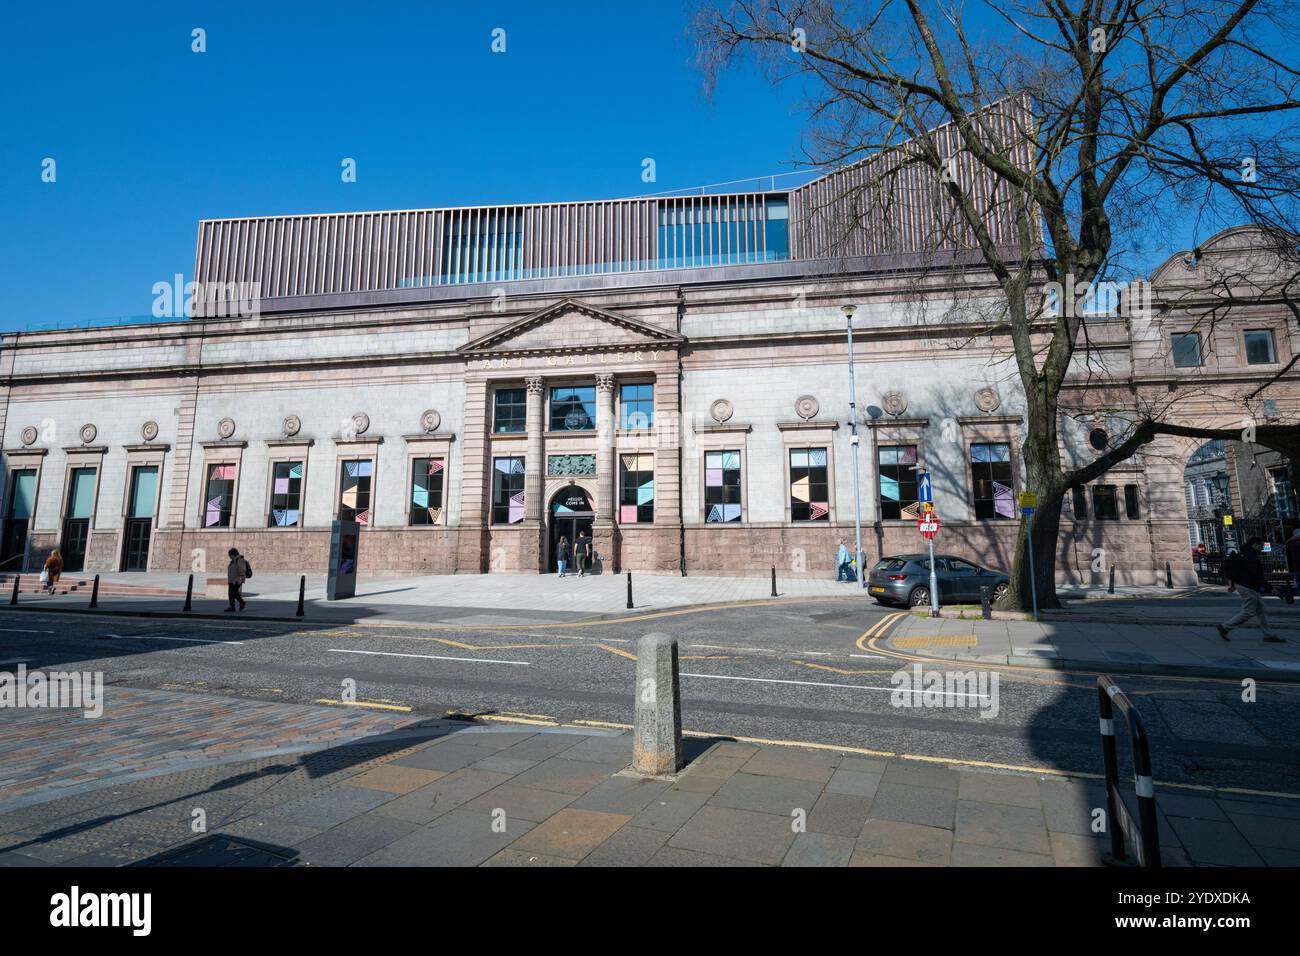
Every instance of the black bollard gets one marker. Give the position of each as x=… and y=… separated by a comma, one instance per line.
x=1111, y=589
x=94, y=593
x=986, y=609
x=629, y=590
x=189, y=594
x=302, y=591
x=13, y=598
x=1169, y=576
x=774, y=580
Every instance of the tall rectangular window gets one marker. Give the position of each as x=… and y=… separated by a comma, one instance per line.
x=1259, y=347
x=426, y=490
x=1187, y=350
x=81, y=493
x=1284, y=497
x=722, y=486
x=510, y=410
x=897, y=482
x=355, y=476
x=220, y=496
x=144, y=491
x=1105, y=507
x=1131, y=505
x=286, y=495
x=1080, y=503
x=638, y=406
x=507, y=490
x=22, y=493
x=809, y=485
x=990, y=466
x=637, y=501
x=573, y=408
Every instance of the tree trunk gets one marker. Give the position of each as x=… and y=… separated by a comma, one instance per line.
x=1046, y=525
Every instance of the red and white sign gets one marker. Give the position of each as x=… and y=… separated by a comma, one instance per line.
x=928, y=525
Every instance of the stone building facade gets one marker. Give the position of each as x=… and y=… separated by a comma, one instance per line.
x=669, y=375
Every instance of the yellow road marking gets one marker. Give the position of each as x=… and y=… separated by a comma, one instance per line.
x=364, y=703
x=880, y=627
x=614, y=650
x=840, y=670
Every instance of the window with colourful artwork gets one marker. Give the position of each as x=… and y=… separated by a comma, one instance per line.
x=990, y=466
x=637, y=504
x=809, y=485
x=722, y=486
x=220, y=496
x=426, y=490
x=898, y=482
x=355, y=476
x=286, y=495
x=507, y=490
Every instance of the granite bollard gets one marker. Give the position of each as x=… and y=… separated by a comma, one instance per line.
x=657, y=748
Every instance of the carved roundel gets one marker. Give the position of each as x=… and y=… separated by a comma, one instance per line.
x=149, y=430
x=226, y=427
x=88, y=433
x=360, y=422
x=721, y=410
x=29, y=435
x=894, y=402
x=806, y=406
x=430, y=420
x=987, y=399
x=292, y=424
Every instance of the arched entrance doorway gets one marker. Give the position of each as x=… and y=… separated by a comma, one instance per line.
x=571, y=513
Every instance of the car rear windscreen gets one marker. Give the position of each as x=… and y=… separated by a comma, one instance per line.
x=890, y=564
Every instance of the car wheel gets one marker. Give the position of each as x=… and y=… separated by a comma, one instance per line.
x=1000, y=590
x=920, y=597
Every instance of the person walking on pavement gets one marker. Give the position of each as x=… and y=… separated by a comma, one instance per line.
x=842, y=562
x=237, y=572
x=1293, y=558
x=1245, y=573
x=53, y=569
x=581, y=551
x=562, y=554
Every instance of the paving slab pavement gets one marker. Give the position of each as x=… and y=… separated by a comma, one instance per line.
x=736, y=803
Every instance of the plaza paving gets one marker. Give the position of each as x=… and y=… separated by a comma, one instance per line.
x=458, y=794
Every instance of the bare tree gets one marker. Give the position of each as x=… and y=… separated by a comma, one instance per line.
x=1056, y=133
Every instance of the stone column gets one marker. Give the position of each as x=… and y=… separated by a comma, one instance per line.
x=605, y=447
x=534, y=463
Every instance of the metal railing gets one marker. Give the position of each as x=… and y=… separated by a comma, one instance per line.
x=1142, y=834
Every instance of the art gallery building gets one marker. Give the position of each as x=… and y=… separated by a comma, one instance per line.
x=471, y=384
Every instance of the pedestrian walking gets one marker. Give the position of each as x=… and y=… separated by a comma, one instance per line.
x=237, y=572
x=1245, y=573
x=1293, y=558
x=52, y=570
x=562, y=554
x=581, y=552
x=842, y=562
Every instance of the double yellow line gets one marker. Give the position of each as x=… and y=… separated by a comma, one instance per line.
x=879, y=628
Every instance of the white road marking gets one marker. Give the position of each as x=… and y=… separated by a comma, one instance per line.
x=879, y=657
x=814, y=683
x=431, y=657
x=159, y=637
x=20, y=630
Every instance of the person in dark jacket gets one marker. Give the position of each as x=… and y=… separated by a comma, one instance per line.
x=582, y=552
x=1246, y=576
x=236, y=574
x=562, y=555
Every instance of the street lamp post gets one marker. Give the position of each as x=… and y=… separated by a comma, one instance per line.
x=848, y=311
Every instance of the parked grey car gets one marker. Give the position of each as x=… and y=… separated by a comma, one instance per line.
x=905, y=579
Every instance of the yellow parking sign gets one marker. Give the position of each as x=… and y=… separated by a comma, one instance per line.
x=1227, y=521
x=1028, y=499
x=927, y=506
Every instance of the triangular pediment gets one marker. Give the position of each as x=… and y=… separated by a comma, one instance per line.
x=569, y=324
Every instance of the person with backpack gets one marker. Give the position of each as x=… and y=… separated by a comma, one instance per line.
x=237, y=572
x=1245, y=573
x=581, y=552
x=842, y=563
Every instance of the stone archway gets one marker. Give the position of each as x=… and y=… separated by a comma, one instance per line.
x=570, y=509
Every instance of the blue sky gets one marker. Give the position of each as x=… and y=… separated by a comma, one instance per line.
x=149, y=137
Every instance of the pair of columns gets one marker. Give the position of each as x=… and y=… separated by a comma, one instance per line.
x=535, y=455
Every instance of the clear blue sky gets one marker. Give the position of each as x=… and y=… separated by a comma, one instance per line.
x=149, y=137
